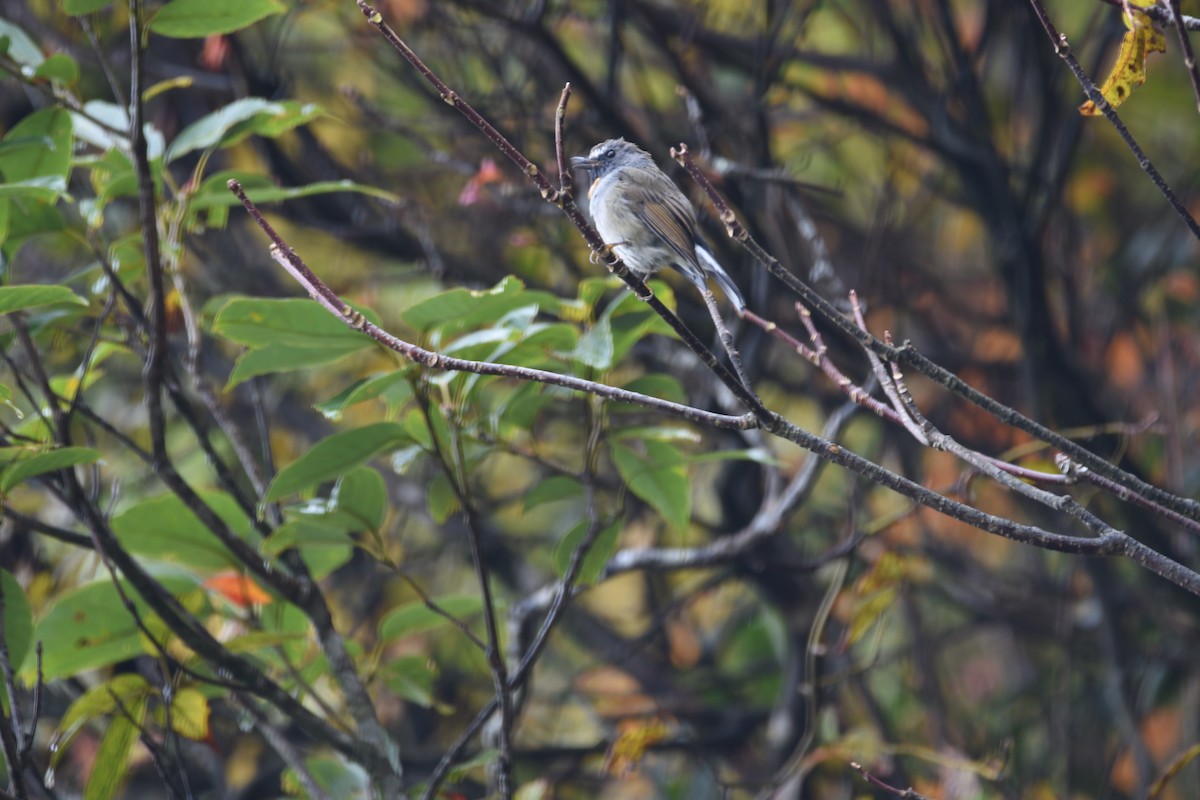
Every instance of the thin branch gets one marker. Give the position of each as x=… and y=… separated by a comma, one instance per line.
x=735, y=358
x=197, y=637
x=1062, y=49
x=556, y=595
x=1077, y=472
x=35, y=714
x=157, y=328
x=566, y=177
x=1185, y=46
x=280, y=743
x=1113, y=543
x=157, y=755
x=320, y=291
x=1160, y=15
x=795, y=768
x=171, y=739
x=569, y=207
x=908, y=794
x=53, y=531
x=460, y=485
x=911, y=357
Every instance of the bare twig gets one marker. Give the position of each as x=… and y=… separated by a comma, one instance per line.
x=566, y=180
x=722, y=551
x=908, y=794
x=570, y=208
x=794, y=769
x=1161, y=15
x=1062, y=49
x=1185, y=46
x=911, y=357
x=735, y=358
x=280, y=743
x=453, y=467
x=320, y=291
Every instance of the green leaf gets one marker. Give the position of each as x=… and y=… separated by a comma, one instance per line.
x=417, y=617
x=214, y=191
x=77, y=7
x=392, y=386
x=665, y=387
x=99, y=701
x=556, y=487
x=362, y=495
x=521, y=410
x=411, y=678
x=481, y=760
x=658, y=477
x=296, y=322
x=30, y=467
x=165, y=529
x=90, y=628
x=285, y=335
x=21, y=48
x=552, y=336
x=115, y=118
x=341, y=779
x=441, y=499
x=45, y=189
x=32, y=211
x=274, y=358
x=112, y=177
x=595, y=348
x=112, y=757
x=661, y=433
x=759, y=455
x=18, y=620
x=459, y=309
x=58, y=67
x=403, y=459
x=46, y=138
x=632, y=320
x=323, y=540
x=321, y=531
x=321, y=561
x=240, y=120
x=336, y=455
x=190, y=19
x=261, y=640
x=595, y=558
x=418, y=429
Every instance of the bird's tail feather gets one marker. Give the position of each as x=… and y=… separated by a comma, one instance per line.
x=710, y=265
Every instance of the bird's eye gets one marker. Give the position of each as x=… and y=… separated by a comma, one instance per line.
x=610, y=154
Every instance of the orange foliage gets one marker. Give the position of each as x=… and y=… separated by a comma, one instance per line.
x=238, y=589
x=1161, y=733
x=1125, y=362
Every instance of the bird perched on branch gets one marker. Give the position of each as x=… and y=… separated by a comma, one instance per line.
x=646, y=219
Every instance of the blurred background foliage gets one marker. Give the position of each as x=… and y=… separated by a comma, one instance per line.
x=928, y=155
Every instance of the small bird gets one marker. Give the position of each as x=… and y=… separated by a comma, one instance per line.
x=646, y=219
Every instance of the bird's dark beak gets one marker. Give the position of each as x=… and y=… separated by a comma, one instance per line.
x=583, y=162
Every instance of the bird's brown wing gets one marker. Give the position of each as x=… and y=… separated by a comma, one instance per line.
x=670, y=220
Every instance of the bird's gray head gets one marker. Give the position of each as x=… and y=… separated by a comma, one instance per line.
x=610, y=155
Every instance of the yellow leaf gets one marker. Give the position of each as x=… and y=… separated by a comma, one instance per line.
x=867, y=611
x=189, y=714
x=1129, y=70
x=635, y=737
